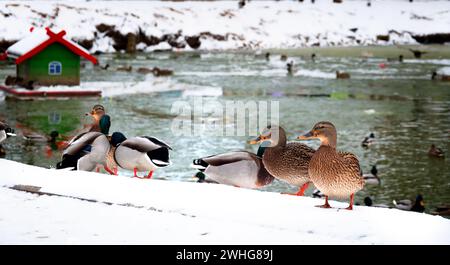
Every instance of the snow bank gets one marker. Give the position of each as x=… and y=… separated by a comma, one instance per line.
x=126, y=210
x=220, y=25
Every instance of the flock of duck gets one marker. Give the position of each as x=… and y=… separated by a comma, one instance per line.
x=334, y=173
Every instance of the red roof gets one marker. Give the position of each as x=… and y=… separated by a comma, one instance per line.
x=57, y=37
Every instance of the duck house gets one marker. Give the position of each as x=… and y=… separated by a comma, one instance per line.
x=47, y=58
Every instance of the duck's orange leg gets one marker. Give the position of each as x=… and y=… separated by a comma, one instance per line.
x=326, y=205
x=110, y=171
x=350, y=207
x=302, y=189
x=149, y=176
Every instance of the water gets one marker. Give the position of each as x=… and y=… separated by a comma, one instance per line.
x=399, y=103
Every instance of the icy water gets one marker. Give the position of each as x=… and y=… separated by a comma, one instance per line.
x=399, y=103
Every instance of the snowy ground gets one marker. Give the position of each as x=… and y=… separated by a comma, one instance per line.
x=133, y=211
x=259, y=25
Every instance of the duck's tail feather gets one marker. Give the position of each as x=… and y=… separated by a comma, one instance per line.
x=199, y=164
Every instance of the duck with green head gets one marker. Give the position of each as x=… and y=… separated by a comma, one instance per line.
x=285, y=161
x=336, y=174
x=238, y=168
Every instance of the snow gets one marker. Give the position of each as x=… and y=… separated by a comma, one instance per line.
x=444, y=71
x=33, y=40
x=133, y=211
x=259, y=25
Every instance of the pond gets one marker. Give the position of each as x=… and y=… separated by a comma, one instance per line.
x=396, y=101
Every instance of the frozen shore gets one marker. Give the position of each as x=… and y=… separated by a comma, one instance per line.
x=92, y=208
x=107, y=26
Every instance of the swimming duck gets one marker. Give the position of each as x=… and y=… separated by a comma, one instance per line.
x=283, y=57
x=334, y=173
x=417, y=53
x=408, y=205
x=125, y=69
x=372, y=178
x=85, y=152
x=436, y=151
x=144, y=70
x=102, y=121
x=342, y=75
x=313, y=57
x=37, y=137
x=239, y=168
x=441, y=77
x=161, y=72
x=399, y=59
x=285, y=161
x=290, y=67
x=442, y=211
x=139, y=154
x=5, y=132
x=368, y=141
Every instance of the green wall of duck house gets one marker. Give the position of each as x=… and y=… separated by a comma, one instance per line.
x=43, y=67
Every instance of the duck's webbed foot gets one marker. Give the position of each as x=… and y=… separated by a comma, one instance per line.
x=149, y=176
x=350, y=207
x=326, y=205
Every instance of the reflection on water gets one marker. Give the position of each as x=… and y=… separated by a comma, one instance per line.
x=404, y=109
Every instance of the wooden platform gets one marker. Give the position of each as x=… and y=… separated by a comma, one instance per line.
x=39, y=94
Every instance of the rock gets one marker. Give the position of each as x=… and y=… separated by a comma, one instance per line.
x=383, y=37
x=104, y=27
x=193, y=41
x=87, y=44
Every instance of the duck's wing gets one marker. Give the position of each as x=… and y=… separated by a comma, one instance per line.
x=228, y=158
x=352, y=162
x=144, y=144
x=80, y=141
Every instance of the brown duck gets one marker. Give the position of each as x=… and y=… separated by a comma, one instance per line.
x=285, y=161
x=435, y=151
x=336, y=174
x=341, y=75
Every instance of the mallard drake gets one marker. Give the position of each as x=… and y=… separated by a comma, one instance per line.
x=441, y=77
x=341, y=75
x=102, y=121
x=239, y=168
x=285, y=161
x=85, y=152
x=5, y=132
x=408, y=205
x=372, y=178
x=139, y=154
x=334, y=173
x=435, y=151
x=368, y=141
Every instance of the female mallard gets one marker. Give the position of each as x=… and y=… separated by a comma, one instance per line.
x=372, y=178
x=239, y=168
x=142, y=153
x=102, y=121
x=85, y=152
x=334, y=173
x=285, y=161
x=435, y=151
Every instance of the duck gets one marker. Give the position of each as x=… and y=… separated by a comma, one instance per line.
x=336, y=174
x=442, y=211
x=399, y=59
x=368, y=141
x=342, y=75
x=125, y=68
x=238, y=168
x=417, y=53
x=290, y=67
x=287, y=162
x=142, y=153
x=86, y=151
x=441, y=77
x=283, y=57
x=313, y=57
x=435, y=152
x=372, y=178
x=317, y=194
x=408, y=205
x=368, y=202
x=5, y=132
x=144, y=70
x=37, y=137
x=161, y=72
x=267, y=56
x=102, y=121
